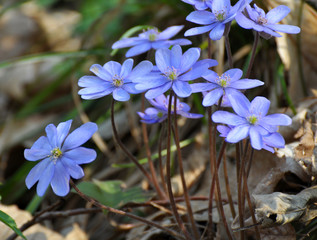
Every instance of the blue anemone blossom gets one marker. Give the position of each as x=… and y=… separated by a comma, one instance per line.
x=174, y=70
x=266, y=23
x=222, y=13
x=151, y=39
x=251, y=120
x=199, y=4
x=160, y=111
x=112, y=78
x=270, y=141
x=217, y=86
x=60, y=154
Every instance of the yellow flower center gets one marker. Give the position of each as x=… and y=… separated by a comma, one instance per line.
x=160, y=114
x=171, y=73
x=55, y=154
x=117, y=81
x=220, y=15
x=152, y=37
x=252, y=119
x=223, y=80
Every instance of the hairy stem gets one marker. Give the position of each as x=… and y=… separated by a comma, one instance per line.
x=228, y=50
x=225, y=172
x=255, y=44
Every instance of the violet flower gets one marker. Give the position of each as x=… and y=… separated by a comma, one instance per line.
x=151, y=39
x=160, y=111
x=251, y=120
x=266, y=24
x=227, y=83
x=270, y=141
x=113, y=79
x=175, y=70
x=60, y=154
x=199, y=4
x=222, y=13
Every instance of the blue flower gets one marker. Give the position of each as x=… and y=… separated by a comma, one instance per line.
x=222, y=13
x=199, y=4
x=227, y=83
x=251, y=120
x=149, y=39
x=60, y=154
x=266, y=24
x=113, y=78
x=270, y=141
x=160, y=111
x=175, y=70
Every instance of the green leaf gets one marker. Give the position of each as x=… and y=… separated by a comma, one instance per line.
x=131, y=32
x=112, y=194
x=7, y=220
x=182, y=144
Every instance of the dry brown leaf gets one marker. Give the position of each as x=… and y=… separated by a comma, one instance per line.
x=285, y=232
x=287, y=46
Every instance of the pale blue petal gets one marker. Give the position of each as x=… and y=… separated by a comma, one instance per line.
x=60, y=180
x=201, y=17
x=246, y=84
x=114, y=68
x=139, y=49
x=202, y=87
x=155, y=92
x=163, y=59
x=239, y=102
x=130, y=88
x=260, y=106
x=101, y=72
x=284, y=28
x=228, y=118
x=256, y=139
x=140, y=70
x=154, y=82
x=92, y=94
x=217, y=32
x=277, y=119
x=180, y=41
x=105, y=89
x=223, y=130
x=221, y=6
x=72, y=168
x=36, y=154
x=238, y=133
x=244, y=22
x=121, y=95
x=81, y=155
x=176, y=56
x=199, y=30
x=128, y=42
x=79, y=136
x=212, y=97
x=194, y=73
x=277, y=14
x=235, y=74
x=51, y=133
x=169, y=32
x=182, y=89
x=91, y=81
x=210, y=76
x=190, y=115
x=62, y=131
x=45, y=179
x=126, y=68
x=189, y=58
x=36, y=172
x=274, y=140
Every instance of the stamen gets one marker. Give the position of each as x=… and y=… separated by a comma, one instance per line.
x=252, y=119
x=262, y=20
x=171, y=73
x=223, y=80
x=55, y=154
x=117, y=81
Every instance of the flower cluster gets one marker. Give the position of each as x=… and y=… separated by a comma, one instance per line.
x=159, y=112
x=60, y=154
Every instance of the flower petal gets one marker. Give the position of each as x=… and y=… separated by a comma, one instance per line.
x=244, y=22
x=72, y=168
x=238, y=133
x=36, y=172
x=212, y=97
x=277, y=14
x=169, y=32
x=284, y=28
x=60, y=180
x=152, y=81
x=163, y=59
x=139, y=49
x=79, y=136
x=155, y=92
x=121, y=95
x=194, y=73
x=222, y=6
x=126, y=68
x=101, y=72
x=128, y=42
x=189, y=58
x=217, y=32
x=246, y=84
x=45, y=179
x=256, y=139
x=62, y=131
x=239, y=102
x=140, y=70
x=201, y=17
x=114, y=68
x=277, y=119
x=234, y=74
x=91, y=81
x=40, y=149
x=199, y=30
x=176, y=56
x=202, y=87
x=182, y=89
x=81, y=155
x=260, y=106
x=51, y=133
x=228, y=118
